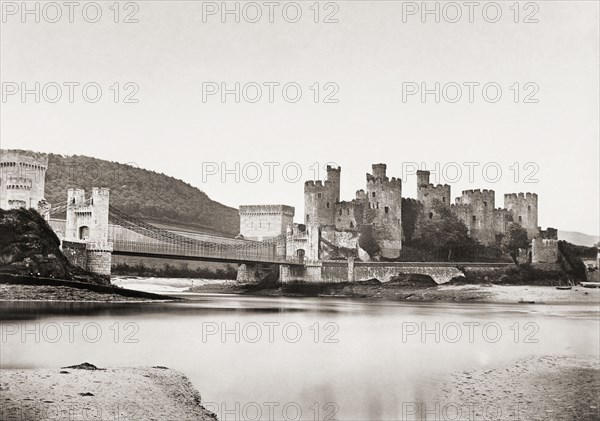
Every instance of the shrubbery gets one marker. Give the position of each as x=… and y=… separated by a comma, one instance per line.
x=171, y=271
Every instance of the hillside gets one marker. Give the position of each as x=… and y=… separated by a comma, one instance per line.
x=141, y=193
x=578, y=238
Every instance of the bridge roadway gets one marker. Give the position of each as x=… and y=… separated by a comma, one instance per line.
x=208, y=253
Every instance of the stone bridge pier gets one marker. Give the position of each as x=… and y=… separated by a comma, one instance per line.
x=255, y=273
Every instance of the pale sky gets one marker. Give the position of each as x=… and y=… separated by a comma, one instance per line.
x=368, y=55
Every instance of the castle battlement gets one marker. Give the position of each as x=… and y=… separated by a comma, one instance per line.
x=476, y=192
x=383, y=181
x=31, y=160
x=435, y=187
x=516, y=196
x=267, y=209
x=100, y=191
x=477, y=196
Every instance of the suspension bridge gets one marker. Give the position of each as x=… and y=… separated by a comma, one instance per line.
x=131, y=236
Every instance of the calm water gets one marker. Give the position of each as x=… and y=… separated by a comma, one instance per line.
x=323, y=358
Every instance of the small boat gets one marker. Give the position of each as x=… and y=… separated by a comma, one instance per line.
x=521, y=301
x=590, y=284
x=564, y=287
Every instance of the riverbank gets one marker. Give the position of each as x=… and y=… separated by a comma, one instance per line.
x=102, y=394
x=535, y=389
x=55, y=293
x=30, y=288
x=485, y=293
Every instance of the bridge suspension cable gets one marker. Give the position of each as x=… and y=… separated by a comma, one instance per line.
x=167, y=242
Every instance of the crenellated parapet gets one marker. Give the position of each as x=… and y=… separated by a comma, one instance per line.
x=477, y=196
x=267, y=209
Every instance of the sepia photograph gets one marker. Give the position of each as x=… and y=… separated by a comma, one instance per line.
x=309, y=210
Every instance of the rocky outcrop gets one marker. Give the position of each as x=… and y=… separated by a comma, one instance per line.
x=29, y=247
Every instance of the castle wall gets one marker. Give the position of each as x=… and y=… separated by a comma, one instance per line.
x=22, y=178
x=544, y=251
x=75, y=252
x=349, y=215
x=259, y=222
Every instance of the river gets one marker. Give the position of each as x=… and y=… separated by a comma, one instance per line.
x=296, y=358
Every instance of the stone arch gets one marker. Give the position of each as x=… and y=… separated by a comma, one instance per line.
x=84, y=232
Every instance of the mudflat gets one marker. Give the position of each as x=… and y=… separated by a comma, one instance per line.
x=99, y=394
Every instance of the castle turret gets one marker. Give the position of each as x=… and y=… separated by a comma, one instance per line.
x=87, y=220
x=320, y=198
x=428, y=194
x=379, y=171
x=422, y=178
x=384, y=209
x=22, y=178
x=476, y=208
x=524, y=209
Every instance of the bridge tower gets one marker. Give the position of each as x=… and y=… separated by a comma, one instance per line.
x=87, y=223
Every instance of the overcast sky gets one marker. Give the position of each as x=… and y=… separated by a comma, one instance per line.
x=364, y=62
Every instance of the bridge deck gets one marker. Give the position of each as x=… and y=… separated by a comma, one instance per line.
x=213, y=253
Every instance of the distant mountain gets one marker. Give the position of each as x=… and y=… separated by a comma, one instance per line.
x=578, y=238
x=141, y=193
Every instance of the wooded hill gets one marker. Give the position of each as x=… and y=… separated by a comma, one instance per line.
x=141, y=193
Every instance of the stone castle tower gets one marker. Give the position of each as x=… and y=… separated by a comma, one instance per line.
x=320, y=198
x=384, y=209
x=428, y=193
x=524, y=210
x=379, y=207
x=22, y=179
x=87, y=223
x=87, y=219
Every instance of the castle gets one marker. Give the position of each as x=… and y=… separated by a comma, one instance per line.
x=477, y=209
x=22, y=179
x=332, y=228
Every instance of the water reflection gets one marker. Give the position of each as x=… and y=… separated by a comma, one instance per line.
x=357, y=359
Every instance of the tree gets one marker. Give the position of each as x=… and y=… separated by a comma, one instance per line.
x=367, y=242
x=411, y=209
x=514, y=240
x=443, y=231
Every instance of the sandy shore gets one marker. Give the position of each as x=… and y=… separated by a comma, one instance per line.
x=487, y=293
x=557, y=388
x=112, y=394
x=514, y=293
